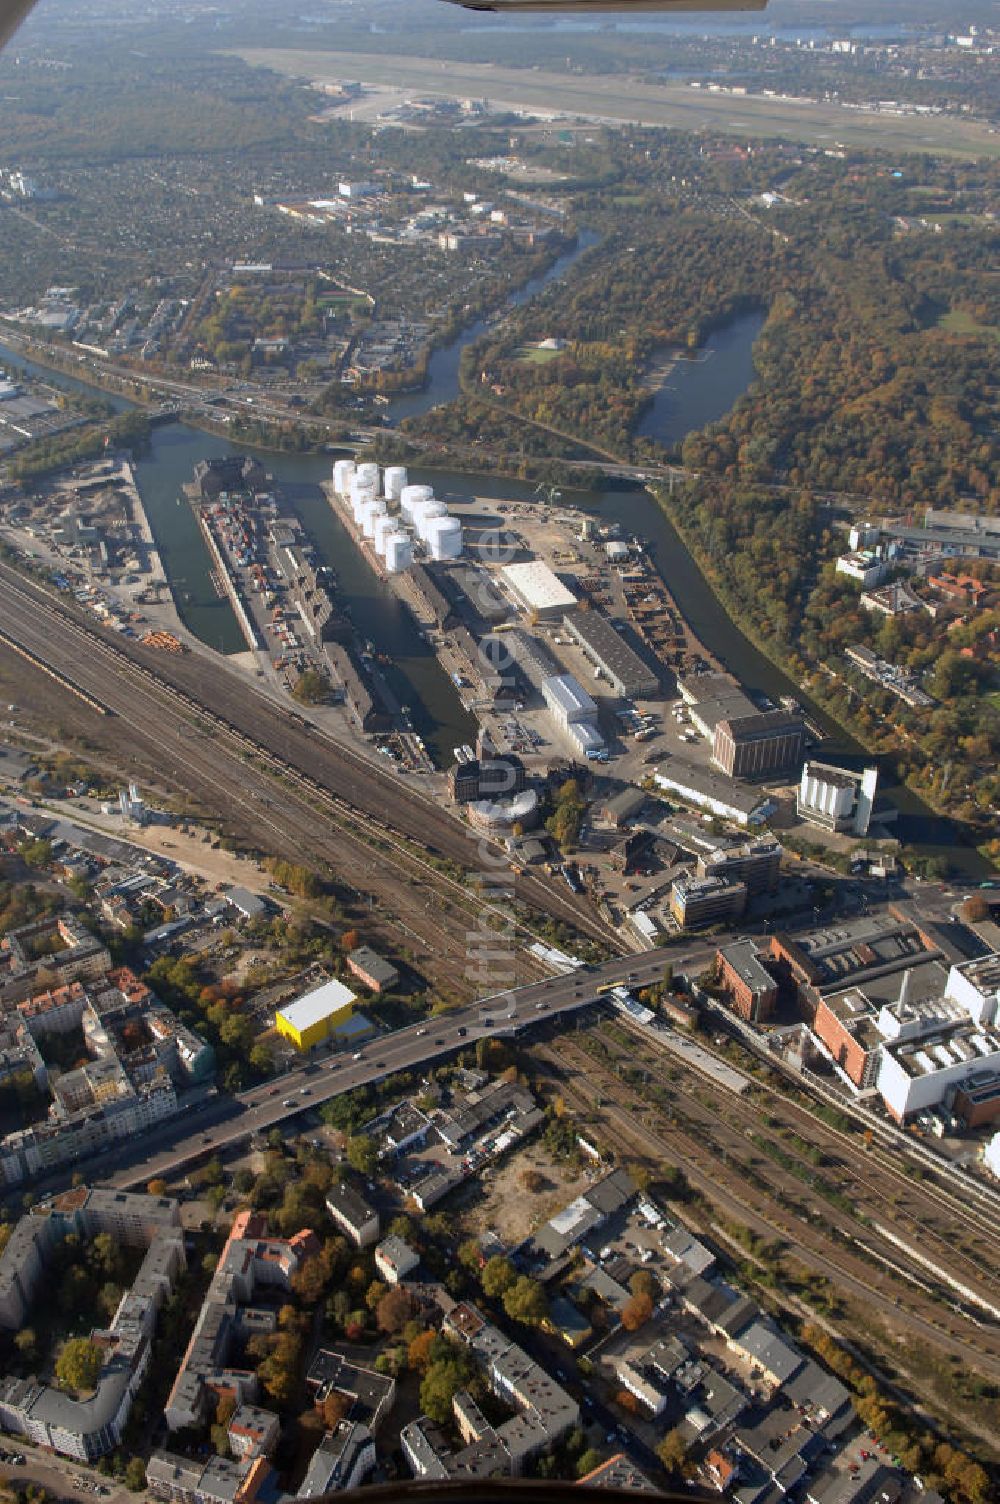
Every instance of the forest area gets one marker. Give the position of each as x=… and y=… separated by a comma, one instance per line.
x=876, y=392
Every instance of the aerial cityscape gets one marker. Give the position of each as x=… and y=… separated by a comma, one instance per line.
x=499, y=751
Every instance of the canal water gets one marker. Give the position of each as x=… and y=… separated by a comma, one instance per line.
x=698, y=392
x=442, y=368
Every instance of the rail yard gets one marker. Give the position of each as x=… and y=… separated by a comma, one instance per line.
x=602, y=1073
x=233, y=746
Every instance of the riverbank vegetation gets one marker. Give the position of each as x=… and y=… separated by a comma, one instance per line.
x=875, y=394
x=128, y=430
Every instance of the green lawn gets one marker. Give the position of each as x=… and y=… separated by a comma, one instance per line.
x=957, y=321
x=535, y=356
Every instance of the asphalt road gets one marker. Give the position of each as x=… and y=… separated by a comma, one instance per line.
x=227, y=1121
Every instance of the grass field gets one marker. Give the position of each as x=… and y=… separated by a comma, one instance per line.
x=623, y=99
x=534, y=356
x=957, y=321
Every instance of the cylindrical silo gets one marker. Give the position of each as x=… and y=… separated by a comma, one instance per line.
x=422, y=514
x=443, y=536
x=410, y=495
x=394, y=481
x=384, y=525
x=361, y=492
x=398, y=553
x=343, y=474
x=369, y=472
x=369, y=512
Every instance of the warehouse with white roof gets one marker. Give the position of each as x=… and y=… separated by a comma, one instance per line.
x=536, y=589
x=574, y=712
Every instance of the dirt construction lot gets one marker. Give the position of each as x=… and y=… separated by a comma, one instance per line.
x=512, y=1211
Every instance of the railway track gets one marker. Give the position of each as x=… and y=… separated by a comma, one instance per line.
x=864, y=1269
x=352, y=793
x=741, y=1120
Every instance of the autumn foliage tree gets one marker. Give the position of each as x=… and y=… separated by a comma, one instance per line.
x=637, y=1311
x=394, y=1310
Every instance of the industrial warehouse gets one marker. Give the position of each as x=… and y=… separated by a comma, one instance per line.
x=312, y=1019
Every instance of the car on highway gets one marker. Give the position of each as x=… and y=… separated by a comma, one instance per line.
x=439, y=1041
x=357, y=1055
x=421, y=1031
x=461, y=1033
x=303, y=1091
x=288, y=1102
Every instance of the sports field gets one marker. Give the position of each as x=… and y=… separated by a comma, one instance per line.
x=620, y=98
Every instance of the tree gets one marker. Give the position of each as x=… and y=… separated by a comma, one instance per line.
x=362, y=1154
x=157, y=1187
x=587, y=1461
x=525, y=1301
x=135, y=1475
x=643, y=1283
x=418, y=1354
x=311, y=687
x=442, y=1381
x=497, y=1277
x=673, y=1452
x=394, y=1310
x=636, y=1312
x=975, y=909
x=470, y=1255
x=310, y=1280
x=79, y=1363
x=26, y=1342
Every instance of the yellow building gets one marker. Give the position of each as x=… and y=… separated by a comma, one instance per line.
x=310, y=1019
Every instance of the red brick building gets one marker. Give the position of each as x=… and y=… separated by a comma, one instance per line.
x=846, y=1025
x=746, y=980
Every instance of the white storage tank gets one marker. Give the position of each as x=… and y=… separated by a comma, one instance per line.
x=395, y=480
x=361, y=494
x=384, y=525
x=361, y=487
x=410, y=495
x=369, y=513
x=422, y=514
x=368, y=472
x=444, y=537
x=398, y=553
x=343, y=474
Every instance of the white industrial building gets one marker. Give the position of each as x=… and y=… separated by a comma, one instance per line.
x=574, y=712
x=536, y=589
x=930, y=1049
x=567, y=700
x=865, y=566
x=714, y=793
x=836, y=798
x=976, y=985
